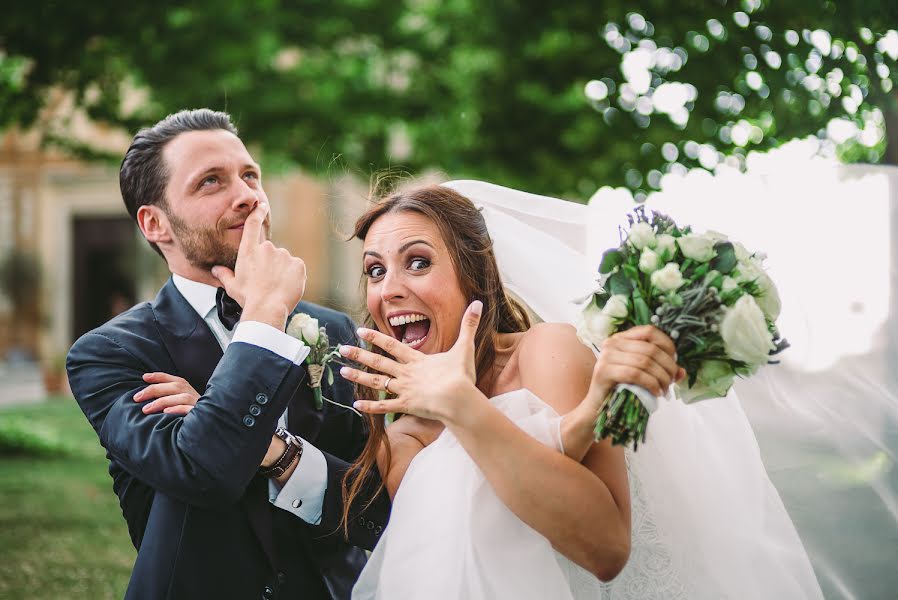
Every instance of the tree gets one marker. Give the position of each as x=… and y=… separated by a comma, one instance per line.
x=529, y=94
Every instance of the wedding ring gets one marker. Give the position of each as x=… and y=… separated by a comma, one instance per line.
x=387, y=385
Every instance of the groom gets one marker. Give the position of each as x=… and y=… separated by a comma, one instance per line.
x=238, y=496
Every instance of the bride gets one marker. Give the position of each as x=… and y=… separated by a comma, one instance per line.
x=499, y=490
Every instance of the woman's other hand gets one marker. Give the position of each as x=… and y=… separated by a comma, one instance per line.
x=167, y=394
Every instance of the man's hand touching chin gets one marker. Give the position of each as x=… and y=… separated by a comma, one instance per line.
x=267, y=281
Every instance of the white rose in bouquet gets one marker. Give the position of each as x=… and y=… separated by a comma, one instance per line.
x=742, y=255
x=697, y=247
x=728, y=284
x=667, y=279
x=713, y=380
x=666, y=246
x=769, y=300
x=744, y=332
x=595, y=326
x=304, y=327
x=642, y=236
x=616, y=307
x=649, y=261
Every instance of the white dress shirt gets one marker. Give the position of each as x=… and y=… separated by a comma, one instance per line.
x=303, y=493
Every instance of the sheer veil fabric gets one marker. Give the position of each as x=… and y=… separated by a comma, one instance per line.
x=707, y=520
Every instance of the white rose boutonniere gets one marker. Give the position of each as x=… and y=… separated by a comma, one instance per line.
x=303, y=327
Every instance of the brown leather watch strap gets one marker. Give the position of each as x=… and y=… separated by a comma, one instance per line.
x=292, y=453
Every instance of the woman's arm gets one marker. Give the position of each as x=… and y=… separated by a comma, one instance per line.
x=583, y=509
x=407, y=437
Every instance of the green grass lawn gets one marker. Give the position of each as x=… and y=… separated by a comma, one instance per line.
x=62, y=534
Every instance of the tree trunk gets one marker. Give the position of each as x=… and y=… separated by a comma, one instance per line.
x=890, y=112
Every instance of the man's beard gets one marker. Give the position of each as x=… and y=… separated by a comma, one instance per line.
x=203, y=247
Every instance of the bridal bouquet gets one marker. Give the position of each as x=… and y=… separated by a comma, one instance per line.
x=709, y=294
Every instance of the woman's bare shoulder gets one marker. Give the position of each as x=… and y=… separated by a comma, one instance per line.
x=555, y=365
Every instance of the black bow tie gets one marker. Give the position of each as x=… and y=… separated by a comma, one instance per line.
x=228, y=309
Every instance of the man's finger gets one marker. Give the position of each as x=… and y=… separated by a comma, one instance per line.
x=253, y=228
x=469, y=323
x=224, y=275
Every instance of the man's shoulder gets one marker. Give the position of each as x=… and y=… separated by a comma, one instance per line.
x=322, y=313
x=136, y=321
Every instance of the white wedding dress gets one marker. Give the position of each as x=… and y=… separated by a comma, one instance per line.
x=707, y=523
x=451, y=537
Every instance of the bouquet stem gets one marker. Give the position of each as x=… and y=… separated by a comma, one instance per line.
x=624, y=419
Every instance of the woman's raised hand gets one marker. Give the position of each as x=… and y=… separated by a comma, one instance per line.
x=643, y=356
x=169, y=394
x=426, y=385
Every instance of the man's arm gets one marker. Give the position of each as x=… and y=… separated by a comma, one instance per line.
x=312, y=488
x=205, y=457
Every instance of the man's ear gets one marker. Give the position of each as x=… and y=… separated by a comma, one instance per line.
x=154, y=224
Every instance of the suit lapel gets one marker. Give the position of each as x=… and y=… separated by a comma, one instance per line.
x=196, y=353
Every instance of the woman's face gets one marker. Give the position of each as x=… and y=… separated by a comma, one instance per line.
x=413, y=289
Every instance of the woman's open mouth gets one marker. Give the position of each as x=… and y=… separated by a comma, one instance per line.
x=411, y=329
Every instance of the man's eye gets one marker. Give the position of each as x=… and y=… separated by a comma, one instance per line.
x=419, y=264
x=251, y=175
x=211, y=179
x=376, y=271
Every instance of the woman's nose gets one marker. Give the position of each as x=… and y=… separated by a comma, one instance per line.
x=392, y=287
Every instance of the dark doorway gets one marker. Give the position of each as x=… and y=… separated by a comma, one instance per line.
x=103, y=251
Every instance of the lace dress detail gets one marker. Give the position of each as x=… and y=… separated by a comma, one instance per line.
x=651, y=573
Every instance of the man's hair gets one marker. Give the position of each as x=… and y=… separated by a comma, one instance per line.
x=143, y=175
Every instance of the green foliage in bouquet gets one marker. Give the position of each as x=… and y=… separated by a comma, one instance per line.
x=709, y=294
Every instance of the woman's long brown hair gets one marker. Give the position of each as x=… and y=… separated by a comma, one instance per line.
x=464, y=232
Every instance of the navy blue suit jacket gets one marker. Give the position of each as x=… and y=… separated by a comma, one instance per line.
x=196, y=509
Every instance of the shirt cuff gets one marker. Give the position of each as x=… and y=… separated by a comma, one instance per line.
x=303, y=494
x=266, y=336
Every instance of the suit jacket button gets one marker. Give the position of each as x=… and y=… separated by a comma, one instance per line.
x=268, y=593
x=255, y=410
x=249, y=421
x=262, y=398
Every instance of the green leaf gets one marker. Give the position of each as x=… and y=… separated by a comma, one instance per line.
x=610, y=260
x=330, y=375
x=643, y=314
x=725, y=261
x=619, y=283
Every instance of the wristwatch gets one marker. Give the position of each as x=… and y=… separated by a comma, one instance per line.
x=292, y=453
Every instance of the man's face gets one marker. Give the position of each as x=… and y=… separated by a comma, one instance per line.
x=213, y=185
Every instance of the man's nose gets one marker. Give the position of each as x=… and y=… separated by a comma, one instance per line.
x=245, y=197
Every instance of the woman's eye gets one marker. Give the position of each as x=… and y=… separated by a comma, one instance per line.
x=419, y=264
x=376, y=271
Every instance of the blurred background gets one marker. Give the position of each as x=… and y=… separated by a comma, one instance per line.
x=575, y=101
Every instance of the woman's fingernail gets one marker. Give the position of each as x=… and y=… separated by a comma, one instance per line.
x=344, y=371
x=138, y=396
x=357, y=405
x=147, y=407
x=477, y=307
x=344, y=350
